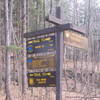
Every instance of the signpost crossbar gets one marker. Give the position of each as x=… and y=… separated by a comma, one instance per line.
x=58, y=28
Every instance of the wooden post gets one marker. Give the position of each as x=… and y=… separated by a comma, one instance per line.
x=59, y=59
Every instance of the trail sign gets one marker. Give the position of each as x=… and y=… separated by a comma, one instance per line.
x=45, y=50
x=41, y=51
x=41, y=44
x=42, y=79
x=37, y=62
x=75, y=39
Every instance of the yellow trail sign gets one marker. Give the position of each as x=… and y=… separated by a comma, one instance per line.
x=75, y=39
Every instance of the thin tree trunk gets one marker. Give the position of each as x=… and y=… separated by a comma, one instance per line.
x=7, y=54
x=24, y=68
x=1, y=70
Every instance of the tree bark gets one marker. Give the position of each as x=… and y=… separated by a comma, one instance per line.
x=7, y=53
x=24, y=68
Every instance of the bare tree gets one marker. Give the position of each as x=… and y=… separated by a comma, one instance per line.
x=7, y=53
x=24, y=68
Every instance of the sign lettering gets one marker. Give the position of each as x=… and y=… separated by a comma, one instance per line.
x=42, y=79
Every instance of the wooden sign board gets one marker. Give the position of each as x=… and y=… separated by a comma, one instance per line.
x=75, y=39
x=41, y=44
x=41, y=62
x=41, y=51
x=42, y=79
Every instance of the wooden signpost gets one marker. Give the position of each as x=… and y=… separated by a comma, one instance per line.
x=45, y=50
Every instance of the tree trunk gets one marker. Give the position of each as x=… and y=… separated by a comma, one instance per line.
x=7, y=53
x=1, y=70
x=24, y=68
